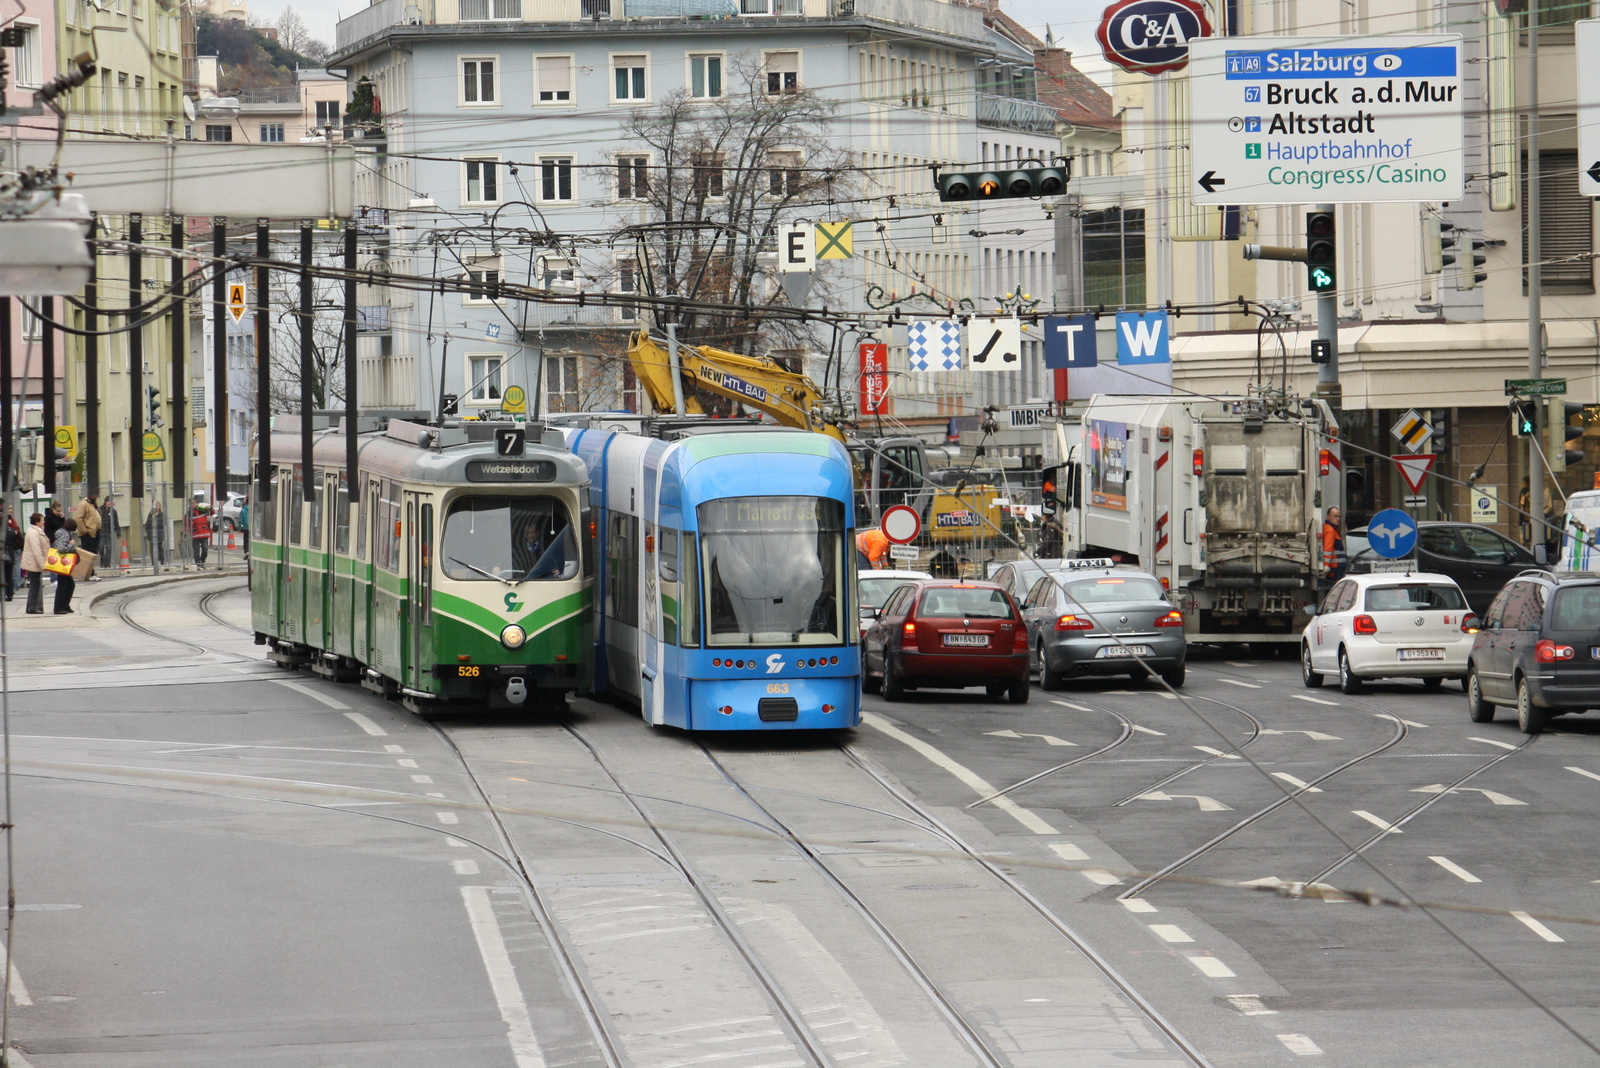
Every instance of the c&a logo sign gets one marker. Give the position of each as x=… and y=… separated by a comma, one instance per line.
x=1151, y=36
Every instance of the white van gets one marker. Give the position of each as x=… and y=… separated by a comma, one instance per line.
x=1580, y=533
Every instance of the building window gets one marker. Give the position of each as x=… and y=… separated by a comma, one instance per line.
x=1113, y=257
x=490, y=10
x=705, y=77
x=708, y=172
x=271, y=133
x=633, y=177
x=327, y=113
x=218, y=132
x=478, y=85
x=783, y=72
x=769, y=7
x=783, y=173
x=26, y=63
x=628, y=78
x=482, y=181
x=631, y=399
x=628, y=282
x=555, y=179
x=483, y=282
x=561, y=384
x=1566, y=231
x=553, y=75
x=485, y=377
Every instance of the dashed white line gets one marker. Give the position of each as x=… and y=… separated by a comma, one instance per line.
x=19, y=992
x=1455, y=869
x=972, y=779
x=1585, y=774
x=1376, y=822
x=1313, y=700
x=458, y=843
x=1538, y=928
x=1069, y=704
x=447, y=817
x=331, y=702
x=1250, y=1005
x=465, y=867
x=1167, y=694
x=1238, y=663
x=1212, y=967
x=1170, y=932
x=1137, y=904
x=365, y=724
x=1491, y=741
x=1068, y=851
x=1300, y=1044
x=393, y=748
x=1397, y=719
x=1101, y=878
x=1218, y=753
x=502, y=978
x=406, y=762
x=1296, y=783
x=1236, y=682
x=422, y=778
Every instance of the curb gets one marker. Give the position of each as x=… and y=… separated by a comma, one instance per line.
x=102, y=591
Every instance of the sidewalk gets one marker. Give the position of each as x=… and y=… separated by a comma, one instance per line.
x=111, y=584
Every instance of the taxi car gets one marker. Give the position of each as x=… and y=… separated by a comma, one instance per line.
x=1389, y=625
x=1092, y=617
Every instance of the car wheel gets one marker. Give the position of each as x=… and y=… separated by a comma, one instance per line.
x=1048, y=680
x=1433, y=683
x=894, y=688
x=1478, y=709
x=1312, y=679
x=226, y=524
x=1529, y=719
x=1017, y=693
x=1349, y=682
x=1174, y=677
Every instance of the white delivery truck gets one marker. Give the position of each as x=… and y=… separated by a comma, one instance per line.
x=1221, y=498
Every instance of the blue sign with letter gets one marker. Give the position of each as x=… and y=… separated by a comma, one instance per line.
x=1069, y=342
x=1392, y=534
x=1142, y=338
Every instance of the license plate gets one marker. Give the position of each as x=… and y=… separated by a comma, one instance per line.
x=1422, y=654
x=1108, y=651
x=1594, y=652
x=979, y=640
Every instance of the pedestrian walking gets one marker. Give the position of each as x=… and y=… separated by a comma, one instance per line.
x=86, y=514
x=13, y=552
x=200, y=531
x=110, y=527
x=35, y=546
x=155, y=534
x=244, y=524
x=65, y=541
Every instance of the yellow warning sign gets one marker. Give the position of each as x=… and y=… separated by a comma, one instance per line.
x=67, y=438
x=515, y=401
x=835, y=241
x=236, y=301
x=153, y=447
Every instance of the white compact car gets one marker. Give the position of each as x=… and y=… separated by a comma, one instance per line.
x=876, y=586
x=1387, y=626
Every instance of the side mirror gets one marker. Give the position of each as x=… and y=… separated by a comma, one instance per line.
x=868, y=612
x=1310, y=609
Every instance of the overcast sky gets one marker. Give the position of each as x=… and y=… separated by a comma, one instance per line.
x=1073, y=24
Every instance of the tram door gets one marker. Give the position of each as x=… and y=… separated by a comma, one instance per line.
x=419, y=575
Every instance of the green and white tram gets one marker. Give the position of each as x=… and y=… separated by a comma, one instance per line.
x=444, y=570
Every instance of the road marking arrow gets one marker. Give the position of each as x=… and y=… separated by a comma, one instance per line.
x=1397, y=719
x=1292, y=781
x=1052, y=739
x=1147, y=730
x=1376, y=822
x=1440, y=788
x=1206, y=804
x=1315, y=736
x=1217, y=752
x=1236, y=682
x=1209, y=181
x=1490, y=741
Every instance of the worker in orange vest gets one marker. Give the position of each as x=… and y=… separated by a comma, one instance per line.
x=874, y=545
x=1333, y=556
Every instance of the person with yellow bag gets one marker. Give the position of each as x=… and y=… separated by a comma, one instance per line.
x=35, y=547
x=62, y=559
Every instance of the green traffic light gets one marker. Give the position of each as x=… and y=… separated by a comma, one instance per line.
x=1322, y=279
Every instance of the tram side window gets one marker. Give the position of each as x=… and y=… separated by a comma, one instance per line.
x=668, y=567
x=297, y=498
x=314, y=535
x=341, y=516
x=516, y=539
x=689, y=594
x=391, y=530
x=361, y=520
x=263, y=516
x=425, y=559
x=622, y=569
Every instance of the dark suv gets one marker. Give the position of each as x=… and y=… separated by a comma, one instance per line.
x=1479, y=559
x=1539, y=649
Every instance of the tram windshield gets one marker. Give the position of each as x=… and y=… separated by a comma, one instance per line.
x=508, y=539
x=774, y=570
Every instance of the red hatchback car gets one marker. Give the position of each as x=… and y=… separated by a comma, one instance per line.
x=947, y=634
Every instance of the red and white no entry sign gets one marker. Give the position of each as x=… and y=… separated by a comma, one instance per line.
x=901, y=524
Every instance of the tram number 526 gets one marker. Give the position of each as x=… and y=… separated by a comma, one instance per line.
x=777, y=687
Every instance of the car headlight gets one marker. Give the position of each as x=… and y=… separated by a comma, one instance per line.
x=513, y=637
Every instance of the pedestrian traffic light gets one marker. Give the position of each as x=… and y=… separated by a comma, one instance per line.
x=153, y=402
x=1321, y=253
x=1562, y=431
x=1002, y=183
x=1523, y=419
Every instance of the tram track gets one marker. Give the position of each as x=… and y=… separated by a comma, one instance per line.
x=207, y=606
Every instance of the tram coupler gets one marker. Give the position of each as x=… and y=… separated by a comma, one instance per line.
x=516, y=691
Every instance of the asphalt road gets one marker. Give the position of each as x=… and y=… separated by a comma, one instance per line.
x=217, y=861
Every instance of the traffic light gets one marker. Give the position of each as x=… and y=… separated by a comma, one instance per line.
x=1562, y=431
x=1470, y=275
x=1049, y=500
x=1002, y=183
x=153, y=403
x=1437, y=237
x=1523, y=418
x=1321, y=255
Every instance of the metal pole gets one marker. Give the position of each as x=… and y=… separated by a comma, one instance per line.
x=219, y=358
x=263, y=369
x=179, y=435
x=137, y=400
x=91, y=364
x=1535, y=252
x=677, y=377
x=352, y=369
x=47, y=391
x=307, y=402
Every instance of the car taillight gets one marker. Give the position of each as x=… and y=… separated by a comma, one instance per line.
x=1548, y=652
x=1021, y=644
x=1173, y=618
x=1469, y=624
x=910, y=629
x=1199, y=461
x=1074, y=623
x=1364, y=625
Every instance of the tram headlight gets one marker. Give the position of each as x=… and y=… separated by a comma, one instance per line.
x=513, y=637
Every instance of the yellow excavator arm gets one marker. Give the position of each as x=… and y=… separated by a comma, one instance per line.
x=756, y=382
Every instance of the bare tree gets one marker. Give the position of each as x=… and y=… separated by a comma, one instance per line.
x=292, y=31
x=724, y=174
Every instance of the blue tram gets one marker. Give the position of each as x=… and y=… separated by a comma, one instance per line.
x=725, y=599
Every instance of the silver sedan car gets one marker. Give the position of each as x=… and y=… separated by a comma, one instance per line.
x=1103, y=620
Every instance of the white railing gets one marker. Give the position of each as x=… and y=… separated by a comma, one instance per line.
x=1013, y=114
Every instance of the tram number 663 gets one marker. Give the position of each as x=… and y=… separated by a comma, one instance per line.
x=777, y=687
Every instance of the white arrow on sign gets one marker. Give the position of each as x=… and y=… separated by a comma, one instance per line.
x=1050, y=738
x=1315, y=736
x=1206, y=804
x=1388, y=533
x=1440, y=788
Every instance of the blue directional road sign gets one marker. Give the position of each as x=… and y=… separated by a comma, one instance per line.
x=1392, y=534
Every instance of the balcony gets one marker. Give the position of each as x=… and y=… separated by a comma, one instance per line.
x=1009, y=113
x=949, y=20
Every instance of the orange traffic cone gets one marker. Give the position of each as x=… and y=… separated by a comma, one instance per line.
x=233, y=540
x=124, y=564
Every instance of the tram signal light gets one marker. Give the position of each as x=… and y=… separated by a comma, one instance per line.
x=153, y=401
x=1002, y=184
x=1563, y=431
x=1321, y=252
x=1524, y=419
